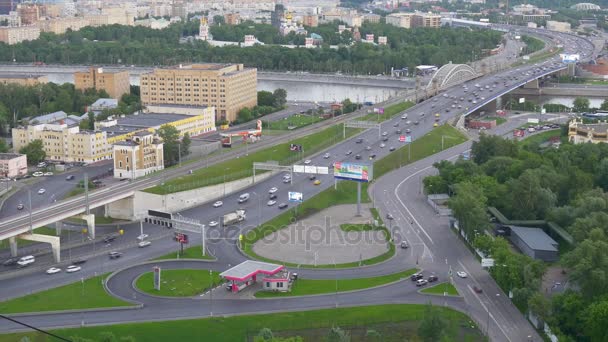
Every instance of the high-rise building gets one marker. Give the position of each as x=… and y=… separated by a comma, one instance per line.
x=29, y=13
x=116, y=84
x=14, y=35
x=227, y=87
x=6, y=6
x=232, y=18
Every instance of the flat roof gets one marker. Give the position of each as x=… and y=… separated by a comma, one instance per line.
x=6, y=156
x=535, y=238
x=133, y=123
x=249, y=268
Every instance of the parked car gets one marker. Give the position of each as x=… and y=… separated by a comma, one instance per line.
x=359, y=140
x=272, y=196
x=358, y=156
x=38, y=174
x=142, y=237
x=41, y=191
x=326, y=155
x=114, y=255
x=392, y=148
x=273, y=190
x=307, y=162
x=271, y=203
x=20, y=206
x=404, y=244
x=317, y=182
x=213, y=223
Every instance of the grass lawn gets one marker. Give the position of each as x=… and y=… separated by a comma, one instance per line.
x=303, y=287
x=540, y=138
x=376, y=216
x=189, y=253
x=78, y=295
x=403, y=319
x=356, y=227
x=440, y=288
x=499, y=120
x=294, y=121
x=389, y=112
x=41, y=230
x=239, y=168
x=178, y=283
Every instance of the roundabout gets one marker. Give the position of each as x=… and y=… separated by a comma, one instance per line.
x=178, y=282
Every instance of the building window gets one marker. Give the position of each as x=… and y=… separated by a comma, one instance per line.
x=267, y=284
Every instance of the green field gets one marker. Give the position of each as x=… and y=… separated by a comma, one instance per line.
x=356, y=227
x=242, y=167
x=179, y=283
x=304, y=287
x=293, y=121
x=78, y=295
x=41, y=230
x=540, y=138
x=195, y=252
x=389, y=112
x=396, y=322
x=440, y=289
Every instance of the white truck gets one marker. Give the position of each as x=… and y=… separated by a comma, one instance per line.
x=234, y=217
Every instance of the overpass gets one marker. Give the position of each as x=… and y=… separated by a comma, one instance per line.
x=22, y=225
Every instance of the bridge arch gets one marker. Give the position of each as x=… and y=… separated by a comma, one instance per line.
x=449, y=75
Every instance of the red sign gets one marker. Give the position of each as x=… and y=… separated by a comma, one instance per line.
x=402, y=138
x=181, y=238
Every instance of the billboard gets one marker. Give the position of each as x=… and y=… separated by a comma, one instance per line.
x=573, y=58
x=295, y=196
x=356, y=172
x=156, y=278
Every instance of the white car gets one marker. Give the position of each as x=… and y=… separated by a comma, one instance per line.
x=286, y=180
x=461, y=274
x=273, y=190
x=307, y=161
x=144, y=244
x=72, y=269
x=41, y=191
x=384, y=134
x=326, y=155
x=53, y=270
x=383, y=145
x=213, y=223
x=48, y=173
x=142, y=236
x=218, y=204
x=38, y=174
x=271, y=203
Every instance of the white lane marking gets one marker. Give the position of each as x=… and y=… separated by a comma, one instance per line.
x=488, y=311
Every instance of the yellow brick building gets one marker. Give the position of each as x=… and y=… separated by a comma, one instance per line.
x=116, y=84
x=24, y=80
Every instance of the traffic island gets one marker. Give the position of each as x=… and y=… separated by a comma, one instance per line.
x=441, y=289
x=178, y=283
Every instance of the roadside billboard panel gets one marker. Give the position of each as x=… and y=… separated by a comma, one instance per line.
x=355, y=172
x=295, y=196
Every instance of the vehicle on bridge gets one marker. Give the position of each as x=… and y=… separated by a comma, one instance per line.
x=236, y=216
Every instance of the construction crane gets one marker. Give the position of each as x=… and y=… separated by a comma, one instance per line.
x=253, y=135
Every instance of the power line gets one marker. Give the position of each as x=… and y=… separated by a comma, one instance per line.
x=34, y=328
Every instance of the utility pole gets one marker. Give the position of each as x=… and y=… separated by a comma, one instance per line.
x=86, y=193
x=29, y=199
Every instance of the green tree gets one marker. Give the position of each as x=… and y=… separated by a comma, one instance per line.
x=580, y=104
x=469, y=207
x=433, y=325
x=186, y=142
x=34, y=151
x=244, y=115
x=540, y=306
x=3, y=146
x=107, y=336
x=91, y=121
x=435, y=185
x=265, y=98
x=567, y=311
x=529, y=200
x=170, y=136
x=588, y=263
x=337, y=334
x=596, y=317
x=604, y=105
x=490, y=146
x=280, y=97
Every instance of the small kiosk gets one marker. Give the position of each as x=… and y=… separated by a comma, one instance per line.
x=246, y=273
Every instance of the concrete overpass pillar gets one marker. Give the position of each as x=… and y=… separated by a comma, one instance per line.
x=499, y=102
x=53, y=240
x=532, y=84
x=12, y=241
x=58, y=228
x=90, y=219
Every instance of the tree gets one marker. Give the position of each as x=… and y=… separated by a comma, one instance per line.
x=34, y=151
x=265, y=98
x=218, y=19
x=107, y=336
x=596, y=317
x=280, y=97
x=265, y=334
x=469, y=207
x=580, y=104
x=3, y=146
x=529, y=200
x=170, y=136
x=336, y=334
x=588, y=262
x=433, y=325
x=539, y=306
x=186, y=142
x=435, y=185
x=567, y=312
x=244, y=115
x=490, y=146
x=604, y=105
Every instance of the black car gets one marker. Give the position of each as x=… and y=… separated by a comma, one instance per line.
x=312, y=177
x=69, y=177
x=10, y=262
x=359, y=140
x=273, y=196
x=79, y=261
x=358, y=156
x=114, y=255
x=109, y=238
x=282, y=205
x=432, y=278
x=416, y=276
x=385, y=139
x=20, y=206
x=392, y=148
x=398, y=131
x=372, y=156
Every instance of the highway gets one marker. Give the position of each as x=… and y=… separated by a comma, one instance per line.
x=431, y=242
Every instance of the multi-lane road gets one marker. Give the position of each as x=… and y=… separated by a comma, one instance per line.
x=434, y=247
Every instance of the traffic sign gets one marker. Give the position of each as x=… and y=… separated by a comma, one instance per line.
x=402, y=138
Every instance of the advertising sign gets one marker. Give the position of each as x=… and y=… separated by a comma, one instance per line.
x=355, y=172
x=533, y=120
x=522, y=100
x=156, y=278
x=487, y=262
x=298, y=168
x=310, y=169
x=566, y=58
x=295, y=196
x=402, y=138
x=322, y=170
x=181, y=238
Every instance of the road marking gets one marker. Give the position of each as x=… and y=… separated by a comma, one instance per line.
x=489, y=313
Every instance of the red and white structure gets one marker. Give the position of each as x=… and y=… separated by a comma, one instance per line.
x=274, y=277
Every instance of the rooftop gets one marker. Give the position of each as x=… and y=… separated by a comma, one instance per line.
x=535, y=238
x=19, y=76
x=105, y=103
x=249, y=268
x=6, y=156
x=131, y=123
x=50, y=118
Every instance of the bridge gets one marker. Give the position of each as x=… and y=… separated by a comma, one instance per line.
x=22, y=225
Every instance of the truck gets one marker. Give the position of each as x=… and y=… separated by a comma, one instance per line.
x=234, y=217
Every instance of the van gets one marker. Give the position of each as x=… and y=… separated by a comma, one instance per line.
x=243, y=198
x=26, y=260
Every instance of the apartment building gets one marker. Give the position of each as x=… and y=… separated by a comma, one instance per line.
x=29, y=13
x=14, y=35
x=559, y=26
x=310, y=20
x=411, y=20
x=61, y=25
x=13, y=165
x=24, y=80
x=232, y=18
x=427, y=20
x=116, y=84
x=404, y=20
x=138, y=156
x=581, y=133
x=227, y=87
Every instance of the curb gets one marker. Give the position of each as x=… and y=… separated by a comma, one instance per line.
x=438, y=294
x=54, y=312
